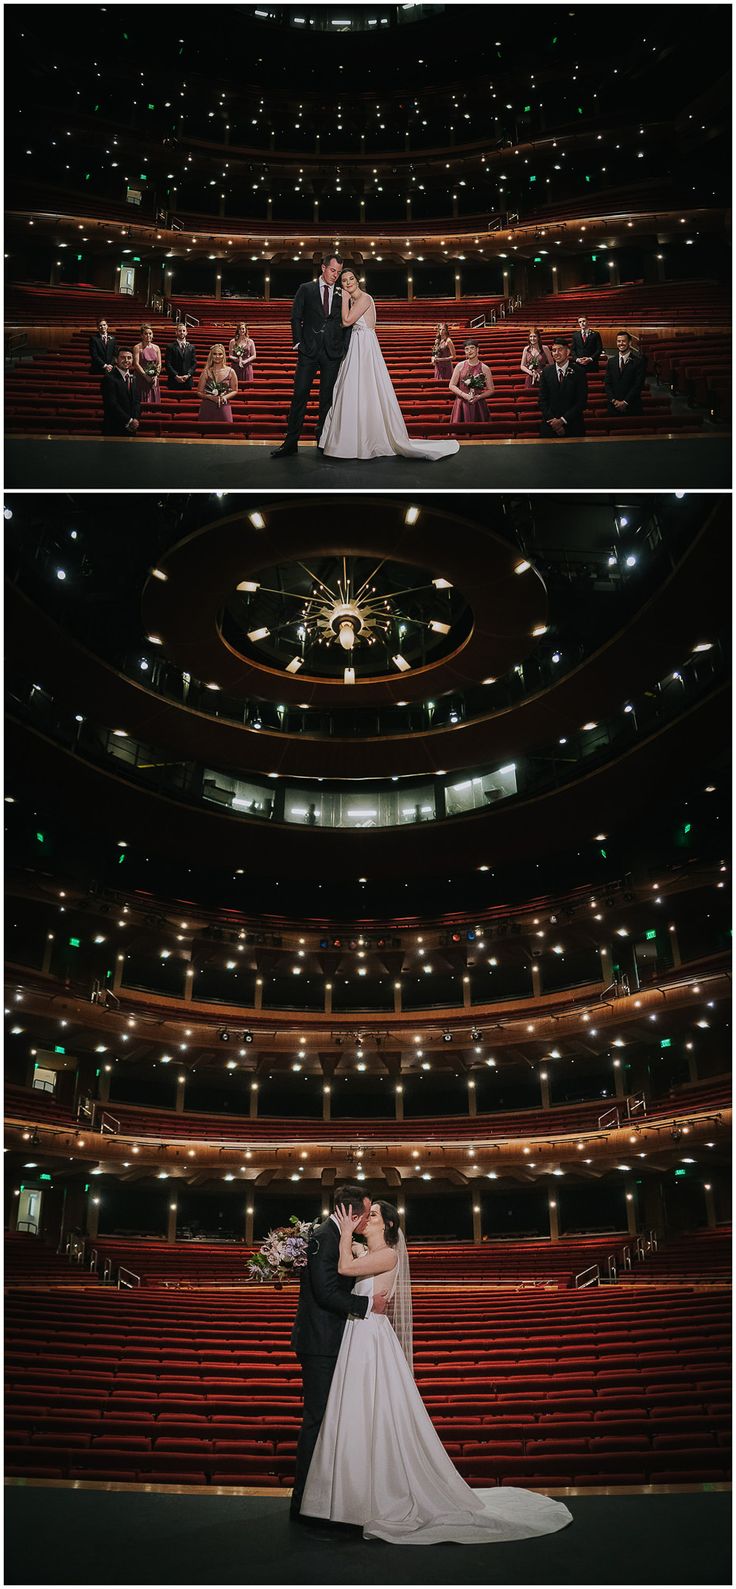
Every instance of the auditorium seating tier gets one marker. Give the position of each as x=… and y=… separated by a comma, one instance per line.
x=27, y=1103
x=545, y=1388
x=705, y=1258
x=55, y=393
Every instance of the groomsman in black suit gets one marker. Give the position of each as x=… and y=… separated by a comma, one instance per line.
x=563, y=394
x=120, y=400
x=103, y=350
x=181, y=362
x=624, y=379
x=325, y=1303
x=587, y=346
x=321, y=341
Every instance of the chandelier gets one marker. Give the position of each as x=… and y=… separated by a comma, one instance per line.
x=345, y=612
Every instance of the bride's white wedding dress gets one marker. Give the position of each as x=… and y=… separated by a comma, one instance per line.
x=380, y=1463
x=365, y=420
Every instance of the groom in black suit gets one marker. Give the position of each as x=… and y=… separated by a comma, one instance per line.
x=325, y=1302
x=321, y=341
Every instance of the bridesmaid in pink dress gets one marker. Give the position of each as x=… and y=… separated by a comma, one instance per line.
x=147, y=365
x=471, y=384
x=534, y=358
x=242, y=353
x=218, y=383
x=443, y=353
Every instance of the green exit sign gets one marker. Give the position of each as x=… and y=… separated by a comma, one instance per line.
x=666, y=1042
x=44, y=1177
x=680, y=1172
x=651, y=934
x=58, y=1049
x=73, y=943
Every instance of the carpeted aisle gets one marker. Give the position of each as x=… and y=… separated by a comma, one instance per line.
x=60, y=1535
x=687, y=463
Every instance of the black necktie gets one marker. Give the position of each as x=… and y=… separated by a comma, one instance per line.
x=326, y=299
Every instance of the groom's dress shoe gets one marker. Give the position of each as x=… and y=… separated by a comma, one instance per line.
x=285, y=452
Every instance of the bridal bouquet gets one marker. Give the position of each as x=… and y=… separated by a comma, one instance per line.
x=475, y=383
x=218, y=388
x=283, y=1254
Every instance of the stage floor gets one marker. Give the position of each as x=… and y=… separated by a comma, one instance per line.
x=57, y=1533
x=671, y=462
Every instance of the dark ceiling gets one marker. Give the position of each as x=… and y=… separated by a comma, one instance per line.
x=75, y=631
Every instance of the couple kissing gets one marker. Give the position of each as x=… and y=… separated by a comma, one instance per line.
x=368, y=1454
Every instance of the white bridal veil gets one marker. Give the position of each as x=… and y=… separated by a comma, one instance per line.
x=399, y=1305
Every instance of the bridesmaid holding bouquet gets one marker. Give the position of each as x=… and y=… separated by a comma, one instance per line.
x=147, y=365
x=471, y=384
x=218, y=384
x=242, y=353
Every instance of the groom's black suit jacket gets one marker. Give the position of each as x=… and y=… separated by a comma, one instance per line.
x=325, y=1297
x=312, y=329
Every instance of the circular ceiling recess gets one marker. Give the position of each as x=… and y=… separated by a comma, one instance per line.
x=368, y=601
x=345, y=617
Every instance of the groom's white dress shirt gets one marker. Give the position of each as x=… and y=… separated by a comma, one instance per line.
x=370, y=1299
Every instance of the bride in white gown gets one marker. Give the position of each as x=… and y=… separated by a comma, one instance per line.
x=379, y=1461
x=365, y=420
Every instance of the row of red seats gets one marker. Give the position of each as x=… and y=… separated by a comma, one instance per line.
x=708, y=1258
x=587, y=1389
x=662, y=303
x=705, y=1257
x=700, y=371
x=505, y=1262
x=57, y=394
